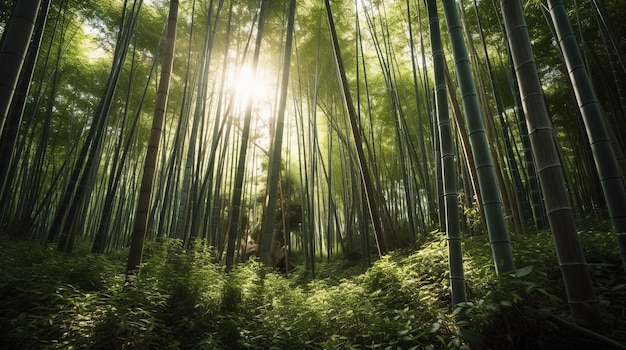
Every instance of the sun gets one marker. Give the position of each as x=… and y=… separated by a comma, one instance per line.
x=258, y=89
x=251, y=86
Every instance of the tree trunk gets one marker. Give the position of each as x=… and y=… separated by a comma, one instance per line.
x=580, y=294
x=605, y=161
x=487, y=180
x=12, y=124
x=16, y=39
x=267, y=240
x=233, y=221
x=446, y=140
x=143, y=205
x=385, y=238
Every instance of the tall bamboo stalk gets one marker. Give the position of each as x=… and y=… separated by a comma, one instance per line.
x=268, y=253
x=13, y=51
x=446, y=140
x=233, y=222
x=386, y=239
x=143, y=204
x=580, y=294
x=604, y=157
x=492, y=201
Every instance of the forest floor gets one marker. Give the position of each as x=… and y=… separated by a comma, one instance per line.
x=185, y=300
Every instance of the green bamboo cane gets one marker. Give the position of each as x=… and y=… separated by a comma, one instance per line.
x=492, y=201
x=606, y=163
x=141, y=216
x=269, y=213
x=446, y=141
x=580, y=294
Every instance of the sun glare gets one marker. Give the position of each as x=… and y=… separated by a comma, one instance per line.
x=90, y=47
x=248, y=86
x=257, y=89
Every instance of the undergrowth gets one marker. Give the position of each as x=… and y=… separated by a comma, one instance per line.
x=185, y=300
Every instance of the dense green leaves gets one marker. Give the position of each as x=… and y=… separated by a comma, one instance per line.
x=182, y=299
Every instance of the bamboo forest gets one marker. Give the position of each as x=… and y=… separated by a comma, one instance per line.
x=312, y=174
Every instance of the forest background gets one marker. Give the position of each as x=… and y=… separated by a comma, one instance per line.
x=324, y=136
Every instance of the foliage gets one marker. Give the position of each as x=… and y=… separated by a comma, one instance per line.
x=50, y=300
x=521, y=304
x=182, y=299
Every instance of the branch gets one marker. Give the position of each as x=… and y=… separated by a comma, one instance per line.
x=587, y=332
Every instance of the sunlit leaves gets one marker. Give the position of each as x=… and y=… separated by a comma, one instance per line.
x=183, y=299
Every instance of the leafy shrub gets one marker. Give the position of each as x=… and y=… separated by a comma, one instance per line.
x=182, y=299
x=49, y=300
x=131, y=321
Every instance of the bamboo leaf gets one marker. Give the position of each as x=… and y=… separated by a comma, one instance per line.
x=522, y=272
